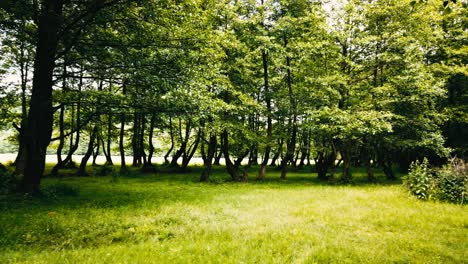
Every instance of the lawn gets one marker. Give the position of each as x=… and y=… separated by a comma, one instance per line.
x=171, y=218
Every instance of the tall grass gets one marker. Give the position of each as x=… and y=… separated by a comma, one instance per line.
x=171, y=218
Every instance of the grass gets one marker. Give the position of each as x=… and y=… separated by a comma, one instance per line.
x=171, y=218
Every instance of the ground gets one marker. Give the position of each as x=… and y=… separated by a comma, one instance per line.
x=169, y=217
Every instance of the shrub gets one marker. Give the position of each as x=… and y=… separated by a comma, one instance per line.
x=450, y=183
x=453, y=182
x=420, y=180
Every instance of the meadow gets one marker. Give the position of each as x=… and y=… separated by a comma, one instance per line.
x=169, y=217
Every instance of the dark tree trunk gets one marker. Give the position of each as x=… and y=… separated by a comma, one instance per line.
x=290, y=149
x=61, y=142
x=218, y=156
x=123, y=165
x=141, y=141
x=135, y=141
x=38, y=130
x=89, y=152
x=20, y=160
x=266, y=156
x=96, y=149
x=324, y=163
x=346, y=176
x=74, y=146
x=150, y=139
x=304, y=149
x=253, y=157
x=187, y=156
x=370, y=172
x=61, y=118
x=205, y=175
x=291, y=144
x=171, y=133
x=184, y=142
x=277, y=152
x=231, y=167
x=109, y=138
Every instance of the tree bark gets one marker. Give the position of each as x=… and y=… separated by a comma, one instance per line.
x=205, y=175
x=135, y=141
x=150, y=139
x=183, y=144
x=89, y=152
x=21, y=157
x=171, y=133
x=38, y=130
x=109, y=138
x=230, y=166
x=188, y=154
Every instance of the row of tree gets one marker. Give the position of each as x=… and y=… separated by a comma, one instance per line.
x=368, y=83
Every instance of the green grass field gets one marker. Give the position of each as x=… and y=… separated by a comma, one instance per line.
x=171, y=218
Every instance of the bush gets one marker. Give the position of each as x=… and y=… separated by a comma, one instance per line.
x=453, y=182
x=450, y=183
x=420, y=180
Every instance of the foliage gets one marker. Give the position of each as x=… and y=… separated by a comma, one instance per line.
x=449, y=183
x=452, y=181
x=420, y=180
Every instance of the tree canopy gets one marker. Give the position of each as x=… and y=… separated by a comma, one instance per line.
x=283, y=82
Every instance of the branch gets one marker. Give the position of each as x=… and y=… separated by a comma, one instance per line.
x=76, y=129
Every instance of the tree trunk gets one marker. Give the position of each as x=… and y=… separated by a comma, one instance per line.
x=61, y=142
x=171, y=133
x=150, y=139
x=230, y=166
x=123, y=165
x=277, y=152
x=187, y=156
x=95, y=151
x=262, y=171
x=370, y=172
x=346, y=176
x=183, y=145
x=218, y=156
x=135, y=141
x=205, y=175
x=291, y=145
x=109, y=138
x=142, y=140
x=38, y=131
x=74, y=147
x=89, y=152
x=20, y=160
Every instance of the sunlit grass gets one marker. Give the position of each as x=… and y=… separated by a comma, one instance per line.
x=171, y=218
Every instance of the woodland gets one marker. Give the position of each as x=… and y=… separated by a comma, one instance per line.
x=277, y=99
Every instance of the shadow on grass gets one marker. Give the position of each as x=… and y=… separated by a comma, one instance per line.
x=163, y=186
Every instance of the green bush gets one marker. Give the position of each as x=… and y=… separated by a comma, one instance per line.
x=420, y=180
x=452, y=182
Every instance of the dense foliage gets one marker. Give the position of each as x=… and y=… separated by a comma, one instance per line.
x=449, y=183
x=282, y=82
